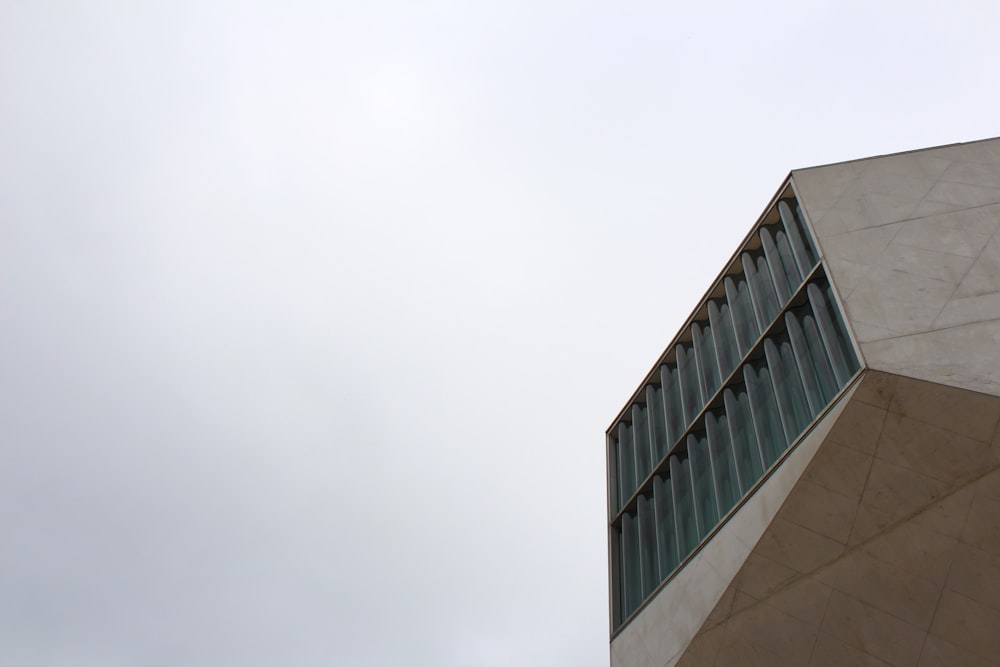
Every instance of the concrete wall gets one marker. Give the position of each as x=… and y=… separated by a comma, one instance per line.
x=886, y=552
x=911, y=245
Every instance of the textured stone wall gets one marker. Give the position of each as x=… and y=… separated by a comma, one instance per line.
x=886, y=551
x=911, y=244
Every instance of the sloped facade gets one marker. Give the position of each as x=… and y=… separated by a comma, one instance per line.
x=872, y=534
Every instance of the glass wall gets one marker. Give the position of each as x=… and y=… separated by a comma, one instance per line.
x=742, y=384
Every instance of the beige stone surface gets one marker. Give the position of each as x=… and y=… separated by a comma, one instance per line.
x=911, y=244
x=934, y=452
x=762, y=576
x=806, y=600
x=966, y=355
x=912, y=548
x=841, y=469
x=942, y=653
x=884, y=554
x=821, y=510
x=871, y=631
x=967, y=413
x=968, y=624
x=830, y=652
x=982, y=527
x=860, y=427
x=893, y=492
x=976, y=575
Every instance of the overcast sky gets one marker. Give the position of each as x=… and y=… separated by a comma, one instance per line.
x=313, y=315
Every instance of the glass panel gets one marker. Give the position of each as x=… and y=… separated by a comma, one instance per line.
x=804, y=257
x=788, y=261
x=821, y=362
x=750, y=271
x=657, y=423
x=749, y=459
x=828, y=332
x=804, y=362
x=727, y=486
x=764, y=411
x=690, y=388
x=800, y=219
x=765, y=302
x=614, y=474
x=620, y=588
x=630, y=573
x=626, y=463
x=767, y=289
x=740, y=307
x=792, y=407
x=640, y=433
x=670, y=380
x=781, y=286
x=704, y=353
x=847, y=349
x=684, y=518
x=666, y=537
x=796, y=390
x=647, y=546
x=727, y=353
x=706, y=504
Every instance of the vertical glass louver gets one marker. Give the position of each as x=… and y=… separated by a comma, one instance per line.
x=745, y=381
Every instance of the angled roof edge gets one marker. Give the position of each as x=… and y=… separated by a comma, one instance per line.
x=914, y=150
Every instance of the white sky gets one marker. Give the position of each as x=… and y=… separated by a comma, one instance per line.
x=314, y=314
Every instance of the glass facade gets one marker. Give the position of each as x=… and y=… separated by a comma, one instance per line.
x=764, y=356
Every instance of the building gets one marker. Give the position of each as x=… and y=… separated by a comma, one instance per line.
x=810, y=473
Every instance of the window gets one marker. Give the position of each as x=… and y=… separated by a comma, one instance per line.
x=765, y=354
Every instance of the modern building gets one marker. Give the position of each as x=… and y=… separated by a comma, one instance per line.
x=810, y=473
